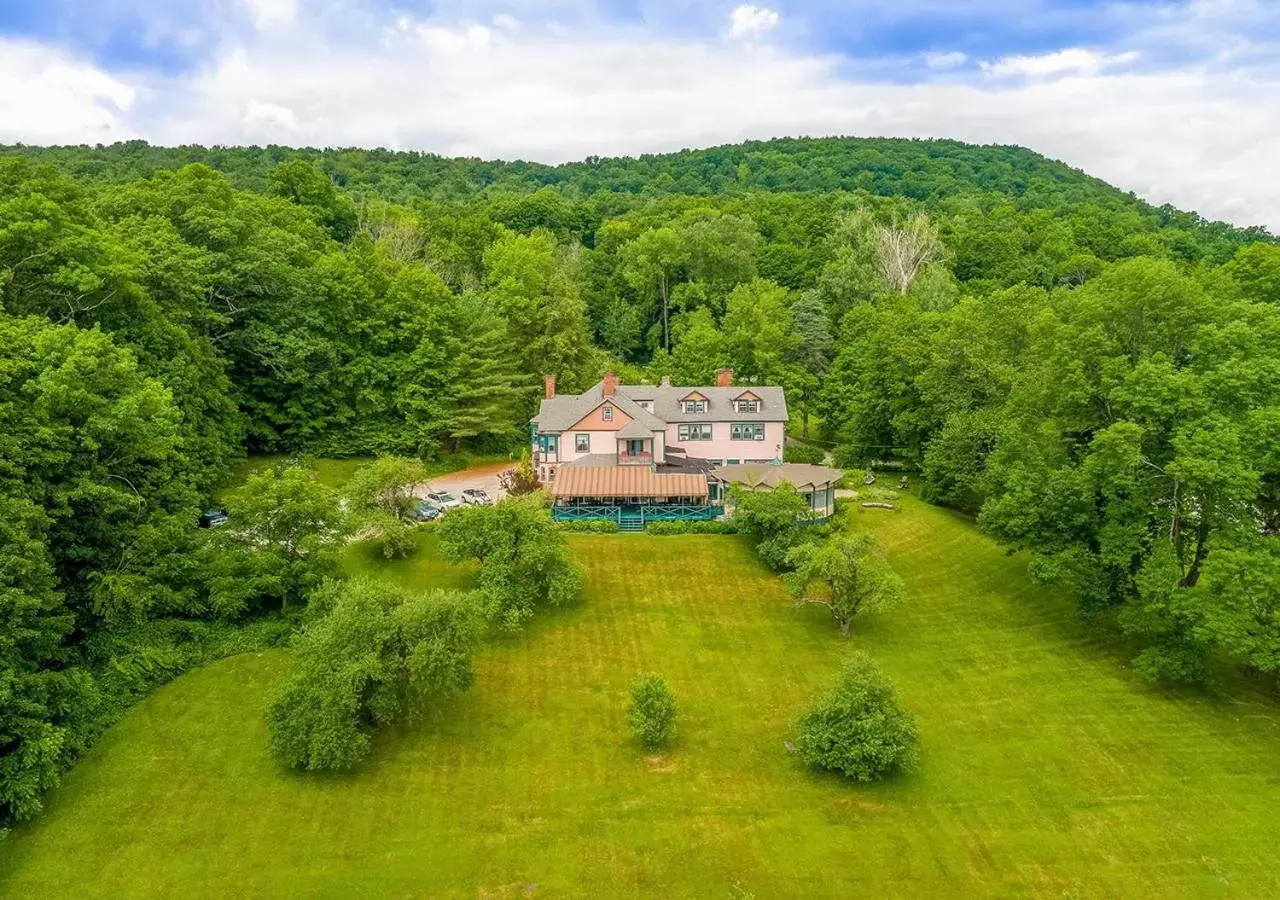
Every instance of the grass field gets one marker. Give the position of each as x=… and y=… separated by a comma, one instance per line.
x=1047, y=770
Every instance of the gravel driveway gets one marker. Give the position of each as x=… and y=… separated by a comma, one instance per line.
x=484, y=477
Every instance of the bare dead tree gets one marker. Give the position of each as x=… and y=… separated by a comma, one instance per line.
x=902, y=250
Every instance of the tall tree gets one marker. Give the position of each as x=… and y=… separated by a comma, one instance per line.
x=492, y=394
x=651, y=263
x=530, y=281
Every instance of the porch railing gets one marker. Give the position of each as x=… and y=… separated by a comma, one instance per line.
x=643, y=458
x=680, y=513
x=585, y=513
x=674, y=512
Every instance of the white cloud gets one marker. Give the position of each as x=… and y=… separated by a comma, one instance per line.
x=749, y=21
x=943, y=61
x=1198, y=138
x=47, y=96
x=1071, y=60
x=272, y=13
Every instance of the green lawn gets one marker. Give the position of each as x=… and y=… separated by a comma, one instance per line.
x=1047, y=770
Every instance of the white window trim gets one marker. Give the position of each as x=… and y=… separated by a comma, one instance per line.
x=577, y=440
x=607, y=413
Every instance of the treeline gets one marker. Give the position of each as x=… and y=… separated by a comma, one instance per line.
x=1090, y=373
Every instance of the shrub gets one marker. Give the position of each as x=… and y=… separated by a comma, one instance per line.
x=857, y=728
x=805, y=453
x=520, y=479
x=726, y=526
x=591, y=526
x=775, y=519
x=652, y=714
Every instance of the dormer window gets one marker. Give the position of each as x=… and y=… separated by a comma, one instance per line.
x=746, y=402
x=694, y=403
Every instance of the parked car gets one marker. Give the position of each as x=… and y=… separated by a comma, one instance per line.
x=425, y=511
x=475, y=497
x=212, y=518
x=444, y=500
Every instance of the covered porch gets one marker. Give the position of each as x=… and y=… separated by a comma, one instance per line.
x=630, y=496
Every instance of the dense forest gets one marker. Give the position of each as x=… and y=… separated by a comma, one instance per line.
x=1094, y=377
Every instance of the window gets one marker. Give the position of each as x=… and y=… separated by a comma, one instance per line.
x=698, y=432
x=607, y=413
x=551, y=474
x=746, y=431
x=695, y=406
x=748, y=406
x=548, y=443
x=582, y=443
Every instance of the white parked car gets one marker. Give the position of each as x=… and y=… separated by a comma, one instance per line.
x=476, y=497
x=444, y=500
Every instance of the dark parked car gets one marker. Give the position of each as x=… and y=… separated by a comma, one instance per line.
x=426, y=511
x=212, y=518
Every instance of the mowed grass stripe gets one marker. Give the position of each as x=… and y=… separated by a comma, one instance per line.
x=1048, y=768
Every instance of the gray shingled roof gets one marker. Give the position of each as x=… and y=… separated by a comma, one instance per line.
x=800, y=475
x=563, y=411
x=720, y=406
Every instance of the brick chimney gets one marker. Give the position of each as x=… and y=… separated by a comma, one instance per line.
x=550, y=381
x=610, y=386
x=724, y=377
x=666, y=381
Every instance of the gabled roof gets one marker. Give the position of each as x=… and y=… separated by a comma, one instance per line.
x=720, y=405
x=694, y=394
x=563, y=411
x=799, y=475
x=634, y=430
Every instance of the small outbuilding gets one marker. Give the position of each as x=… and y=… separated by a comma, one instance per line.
x=816, y=484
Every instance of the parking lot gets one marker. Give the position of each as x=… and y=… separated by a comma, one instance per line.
x=483, y=477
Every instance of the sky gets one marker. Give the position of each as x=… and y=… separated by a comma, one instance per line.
x=1176, y=100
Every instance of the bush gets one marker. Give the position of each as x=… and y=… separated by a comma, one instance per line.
x=591, y=526
x=805, y=453
x=777, y=521
x=726, y=526
x=398, y=541
x=652, y=715
x=857, y=728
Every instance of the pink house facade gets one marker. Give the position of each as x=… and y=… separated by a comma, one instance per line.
x=637, y=453
x=661, y=426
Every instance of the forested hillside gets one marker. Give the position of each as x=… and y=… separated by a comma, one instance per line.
x=1097, y=378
